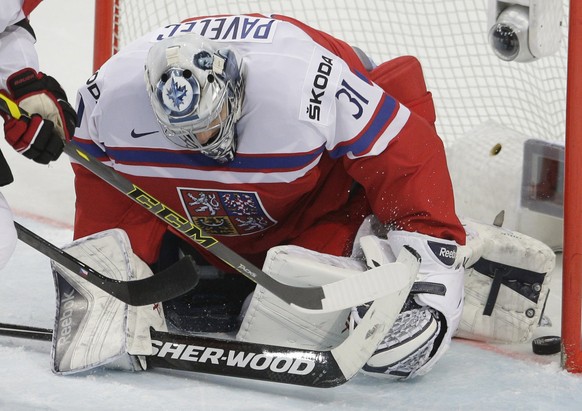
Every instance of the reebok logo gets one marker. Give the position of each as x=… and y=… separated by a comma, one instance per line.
x=446, y=253
x=66, y=320
x=138, y=135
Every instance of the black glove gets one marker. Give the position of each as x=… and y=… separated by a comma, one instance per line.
x=52, y=119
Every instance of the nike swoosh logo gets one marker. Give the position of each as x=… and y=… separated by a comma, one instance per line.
x=138, y=135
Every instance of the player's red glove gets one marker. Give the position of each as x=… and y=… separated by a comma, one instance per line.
x=52, y=119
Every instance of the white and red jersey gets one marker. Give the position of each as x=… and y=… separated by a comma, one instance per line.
x=312, y=123
x=16, y=52
x=16, y=43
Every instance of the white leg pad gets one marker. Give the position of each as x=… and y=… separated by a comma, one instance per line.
x=270, y=320
x=93, y=328
x=506, y=284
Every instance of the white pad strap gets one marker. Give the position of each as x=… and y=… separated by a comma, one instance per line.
x=93, y=328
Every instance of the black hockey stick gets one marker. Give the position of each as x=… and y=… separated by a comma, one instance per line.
x=7, y=106
x=224, y=357
x=312, y=368
x=232, y=358
x=25, y=331
x=349, y=292
x=172, y=282
x=346, y=293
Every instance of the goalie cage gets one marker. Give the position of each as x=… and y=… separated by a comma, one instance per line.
x=470, y=86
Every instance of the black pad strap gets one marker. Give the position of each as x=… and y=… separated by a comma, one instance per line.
x=425, y=287
x=25, y=24
x=494, y=291
x=525, y=282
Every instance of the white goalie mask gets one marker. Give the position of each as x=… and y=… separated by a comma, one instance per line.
x=195, y=86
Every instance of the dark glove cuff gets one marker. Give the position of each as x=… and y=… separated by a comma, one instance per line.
x=28, y=81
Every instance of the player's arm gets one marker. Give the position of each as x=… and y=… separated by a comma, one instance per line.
x=408, y=183
x=52, y=119
x=416, y=198
x=400, y=161
x=394, y=154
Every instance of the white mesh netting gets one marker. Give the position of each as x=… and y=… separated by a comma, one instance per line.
x=469, y=83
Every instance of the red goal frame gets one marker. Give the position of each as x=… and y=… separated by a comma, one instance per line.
x=572, y=257
x=106, y=25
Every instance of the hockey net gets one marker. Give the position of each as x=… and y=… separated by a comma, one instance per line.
x=486, y=108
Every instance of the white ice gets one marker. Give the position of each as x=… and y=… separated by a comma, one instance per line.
x=469, y=377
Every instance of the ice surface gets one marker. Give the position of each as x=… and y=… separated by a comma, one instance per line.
x=469, y=377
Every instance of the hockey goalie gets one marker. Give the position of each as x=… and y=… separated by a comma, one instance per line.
x=303, y=156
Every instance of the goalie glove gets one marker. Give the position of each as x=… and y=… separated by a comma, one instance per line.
x=52, y=119
x=409, y=343
x=424, y=328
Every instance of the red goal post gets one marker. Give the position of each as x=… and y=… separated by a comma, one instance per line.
x=104, y=39
x=572, y=258
x=541, y=99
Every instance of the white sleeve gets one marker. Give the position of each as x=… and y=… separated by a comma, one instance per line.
x=16, y=44
x=10, y=13
x=89, y=114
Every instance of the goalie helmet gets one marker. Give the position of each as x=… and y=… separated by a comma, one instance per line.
x=194, y=86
